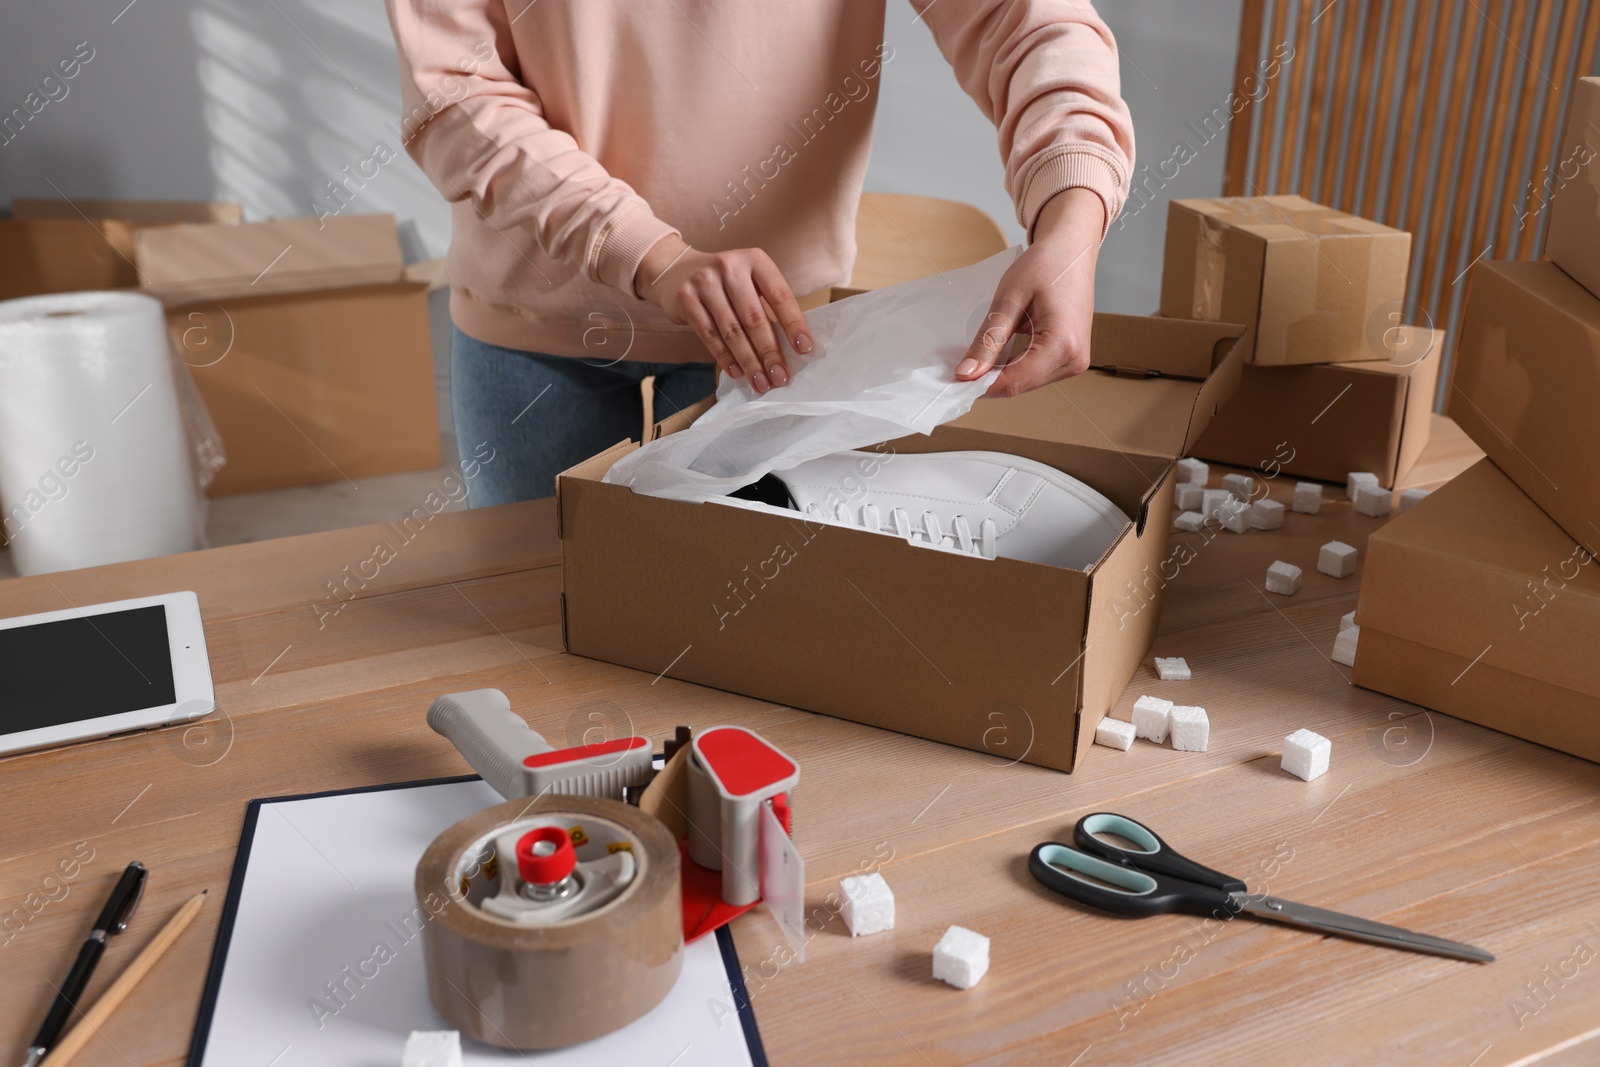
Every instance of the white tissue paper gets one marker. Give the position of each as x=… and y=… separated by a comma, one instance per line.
x=94, y=462
x=882, y=366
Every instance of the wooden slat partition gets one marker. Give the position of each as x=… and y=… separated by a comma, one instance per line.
x=1441, y=117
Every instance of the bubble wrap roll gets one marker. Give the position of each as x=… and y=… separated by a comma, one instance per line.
x=94, y=466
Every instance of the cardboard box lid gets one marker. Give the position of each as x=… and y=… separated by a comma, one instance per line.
x=1286, y=218
x=1152, y=387
x=1480, y=571
x=146, y=211
x=210, y=261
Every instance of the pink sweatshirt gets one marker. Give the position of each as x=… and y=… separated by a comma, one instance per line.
x=572, y=136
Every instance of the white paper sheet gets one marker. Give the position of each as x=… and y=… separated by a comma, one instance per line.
x=329, y=879
x=883, y=366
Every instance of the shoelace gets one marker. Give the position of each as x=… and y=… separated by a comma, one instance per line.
x=931, y=533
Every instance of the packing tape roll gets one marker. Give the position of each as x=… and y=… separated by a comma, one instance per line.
x=543, y=987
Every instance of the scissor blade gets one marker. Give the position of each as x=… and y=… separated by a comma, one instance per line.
x=1341, y=925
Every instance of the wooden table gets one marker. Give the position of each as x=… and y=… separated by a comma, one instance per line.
x=1423, y=821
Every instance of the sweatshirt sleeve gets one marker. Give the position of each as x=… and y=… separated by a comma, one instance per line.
x=1045, y=73
x=479, y=134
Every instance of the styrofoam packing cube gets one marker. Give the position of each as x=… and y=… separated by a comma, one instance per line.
x=1337, y=559
x=961, y=957
x=1266, y=515
x=1307, y=498
x=867, y=904
x=1234, y=515
x=1189, y=522
x=1374, y=500
x=1305, y=754
x=1188, y=496
x=1242, y=486
x=1344, y=646
x=1412, y=496
x=1356, y=480
x=1152, y=718
x=1347, y=620
x=1283, y=578
x=1191, y=729
x=1114, y=733
x=432, y=1048
x=1193, y=471
x=1172, y=668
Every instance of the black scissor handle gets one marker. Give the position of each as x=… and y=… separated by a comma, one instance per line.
x=1130, y=892
x=1151, y=854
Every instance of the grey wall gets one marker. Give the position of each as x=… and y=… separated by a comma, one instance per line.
x=263, y=101
x=1177, y=65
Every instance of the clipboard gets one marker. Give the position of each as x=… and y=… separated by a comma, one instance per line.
x=318, y=958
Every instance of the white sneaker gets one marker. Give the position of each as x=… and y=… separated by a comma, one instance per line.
x=984, y=504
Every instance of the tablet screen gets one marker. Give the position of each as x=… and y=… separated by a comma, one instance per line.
x=84, y=668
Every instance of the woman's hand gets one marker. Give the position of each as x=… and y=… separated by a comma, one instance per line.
x=1048, y=293
x=732, y=300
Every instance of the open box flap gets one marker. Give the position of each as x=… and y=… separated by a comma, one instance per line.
x=214, y=261
x=64, y=255
x=139, y=211
x=1169, y=378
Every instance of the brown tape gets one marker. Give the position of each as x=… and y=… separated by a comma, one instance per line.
x=1210, y=268
x=667, y=795
x=543, y=987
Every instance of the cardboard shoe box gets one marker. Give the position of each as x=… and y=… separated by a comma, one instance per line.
x=57, y=246
x=310, y=346
x=1326, y=420
x=1474, y=603
x=1313, y=284
x=1014, y=658
x=1572, y=236
x=1526, y=386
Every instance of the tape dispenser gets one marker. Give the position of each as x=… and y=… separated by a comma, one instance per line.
x=579, y=867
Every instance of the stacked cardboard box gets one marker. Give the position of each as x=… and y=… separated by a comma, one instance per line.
x=308, y=338
x=1572, y=238
x=1526, y=381
x=1526, y=385
x=1475, y=603
x=1005, y=656
x=1334, y=383
x=1483, y=600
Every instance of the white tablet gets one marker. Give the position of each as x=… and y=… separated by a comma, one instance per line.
x=102, y=669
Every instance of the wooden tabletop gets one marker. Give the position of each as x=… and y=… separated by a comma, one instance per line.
x=1423, y=820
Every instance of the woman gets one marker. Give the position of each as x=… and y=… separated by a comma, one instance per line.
x=642, y=188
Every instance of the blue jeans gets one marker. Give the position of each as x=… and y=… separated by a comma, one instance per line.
x=541, y=414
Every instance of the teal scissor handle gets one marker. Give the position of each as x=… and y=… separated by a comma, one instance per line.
x=1150, y=854
x=1124, y=890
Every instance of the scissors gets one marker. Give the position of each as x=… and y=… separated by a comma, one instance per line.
x=1149, y=878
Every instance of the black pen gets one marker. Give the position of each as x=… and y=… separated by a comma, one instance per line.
x=113, y=920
